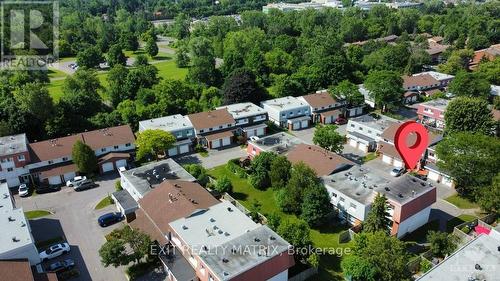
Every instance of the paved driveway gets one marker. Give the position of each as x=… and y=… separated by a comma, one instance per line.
x=215, y=157
x=75, y=219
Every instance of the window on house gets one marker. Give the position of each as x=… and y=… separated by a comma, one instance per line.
x=10, y=169
x=342, y=199
x=334, y=194
x=229, y=125
x=50, y=162
x=352, y=206
x=115, y=147
x=201, y=131
x=65, y=158
x=210, y=129
x=369, y=131
x=189, y=133
x=103, y=149
x=4, y=160
x=128, y=144
x=21, y=157
x=361, y=128
x=352, y=126
x=220, y=127
x=283, y=114
x=179, y=134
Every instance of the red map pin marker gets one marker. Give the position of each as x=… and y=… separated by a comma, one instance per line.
x=411, y=140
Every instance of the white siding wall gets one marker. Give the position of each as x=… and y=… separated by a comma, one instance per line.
x=414, y=222
x=130, y=188
x=359, y=212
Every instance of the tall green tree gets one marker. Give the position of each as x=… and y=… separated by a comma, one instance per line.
x=279, y=172
x=378, y=218
x=465, y=114
x=182, y=56
x=241, y=86
x=441, y=243
x=316, y=206
x=153, y=142
x=358, y=268
x=472, y=160
x=386, y=88
x=259, y=170
x=297, y=233
x=458, y=61
x=115, y=56
x=84, y=158
x=89, y=57
x=151, y=47
x=488, y=197
x=113, y=253
x=348, y=91
x=328, y=138
x=470, y=85
x=35, y=99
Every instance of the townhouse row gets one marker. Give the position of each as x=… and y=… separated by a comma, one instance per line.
x=352, y=188
x=201, y=237
x=221, y=127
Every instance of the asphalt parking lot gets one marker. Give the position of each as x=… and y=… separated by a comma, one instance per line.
x=75, y=219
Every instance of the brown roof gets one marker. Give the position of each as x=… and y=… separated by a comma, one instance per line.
x=62, y=147
x=47, y=276
x=390, y=132
x=436, y=48
x=388, y=149
x=220, y=135
x=424, y=80
x=143, y=223
x=174, y=199
x=112, y=156
x=211, y=119
x=410, y=94
x=16, y=270
x=319, y=99
x=53, y=149
x=432, y=92
x=322, y=161
x=489, y=53
x=109, y=137
x=58, y=170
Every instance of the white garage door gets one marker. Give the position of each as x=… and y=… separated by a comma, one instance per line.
x=397, y=163
x=184, y=148
x=226, y=141
x=353, y=143
x=305, y=124
x=216, y=144
x=363, y=147
x=69, y=176
x=387, y=159
x=172, y=151
x=296, y=126
x=107, y=167
x=328, y=119
x=55, y=180
x=121, y=163
x=250, y=133
x=261, y=132
x=433, y=176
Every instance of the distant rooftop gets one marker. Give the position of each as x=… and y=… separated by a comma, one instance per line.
x=245, y=252
x=170, y=123
x=322, y=161
x=13, y=144
x=15, y=230
x=436, y=75
x=145, y=177
x=476, y=260
x=358, y=183
x=212, y=227
x=284, y=103
x=405, y=189
x=440, y=104
x=279, y=142
x=374, y=121
x=243, y=110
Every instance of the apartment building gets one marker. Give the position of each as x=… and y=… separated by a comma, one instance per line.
x=14, y=156
x=179, y=126
x=288, y=112
x=431, y=113
x=364, y=132
x=279, y=143
x=323, y=107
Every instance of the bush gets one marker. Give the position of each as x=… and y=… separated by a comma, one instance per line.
x=233, y=165
x=313, y=260
x=425, y=265
x=118, y=185
x=273, y=221
x=466, y=229
x=199, y=148
x=139, y=269
x=224, y=185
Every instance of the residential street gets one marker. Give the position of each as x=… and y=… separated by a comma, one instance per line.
x=75, y=219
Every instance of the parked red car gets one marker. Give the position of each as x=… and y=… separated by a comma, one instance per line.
x=340, y=121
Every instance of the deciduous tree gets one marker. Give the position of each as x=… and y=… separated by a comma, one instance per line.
x=153, y=142
x=386, y=88
x=328, y=138
x=470, y=85
x=465, y=114
x=316, y=206
x=241, y=86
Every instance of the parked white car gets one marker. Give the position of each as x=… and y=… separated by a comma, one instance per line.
x=23, y=190
x=54, y=251
x=75, y=181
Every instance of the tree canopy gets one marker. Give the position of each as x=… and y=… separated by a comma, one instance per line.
x=153, y=142
x=84, y=158
x=328, y=138
x=465, y=114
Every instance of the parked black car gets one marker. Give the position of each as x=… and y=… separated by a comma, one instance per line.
x=61, y=266
x=47, y=189
x=86, y=184
x=109, y=219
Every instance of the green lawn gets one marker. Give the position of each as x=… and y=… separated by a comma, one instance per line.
x=55, y=73
x=36, y=214
x=420, y=234
x=370, y=156
x=325, y=237
x=461, y=202
x=106, y=201
x=458, y=220
x=168, y=69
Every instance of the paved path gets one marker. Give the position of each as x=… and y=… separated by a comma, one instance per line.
x=75, y=219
